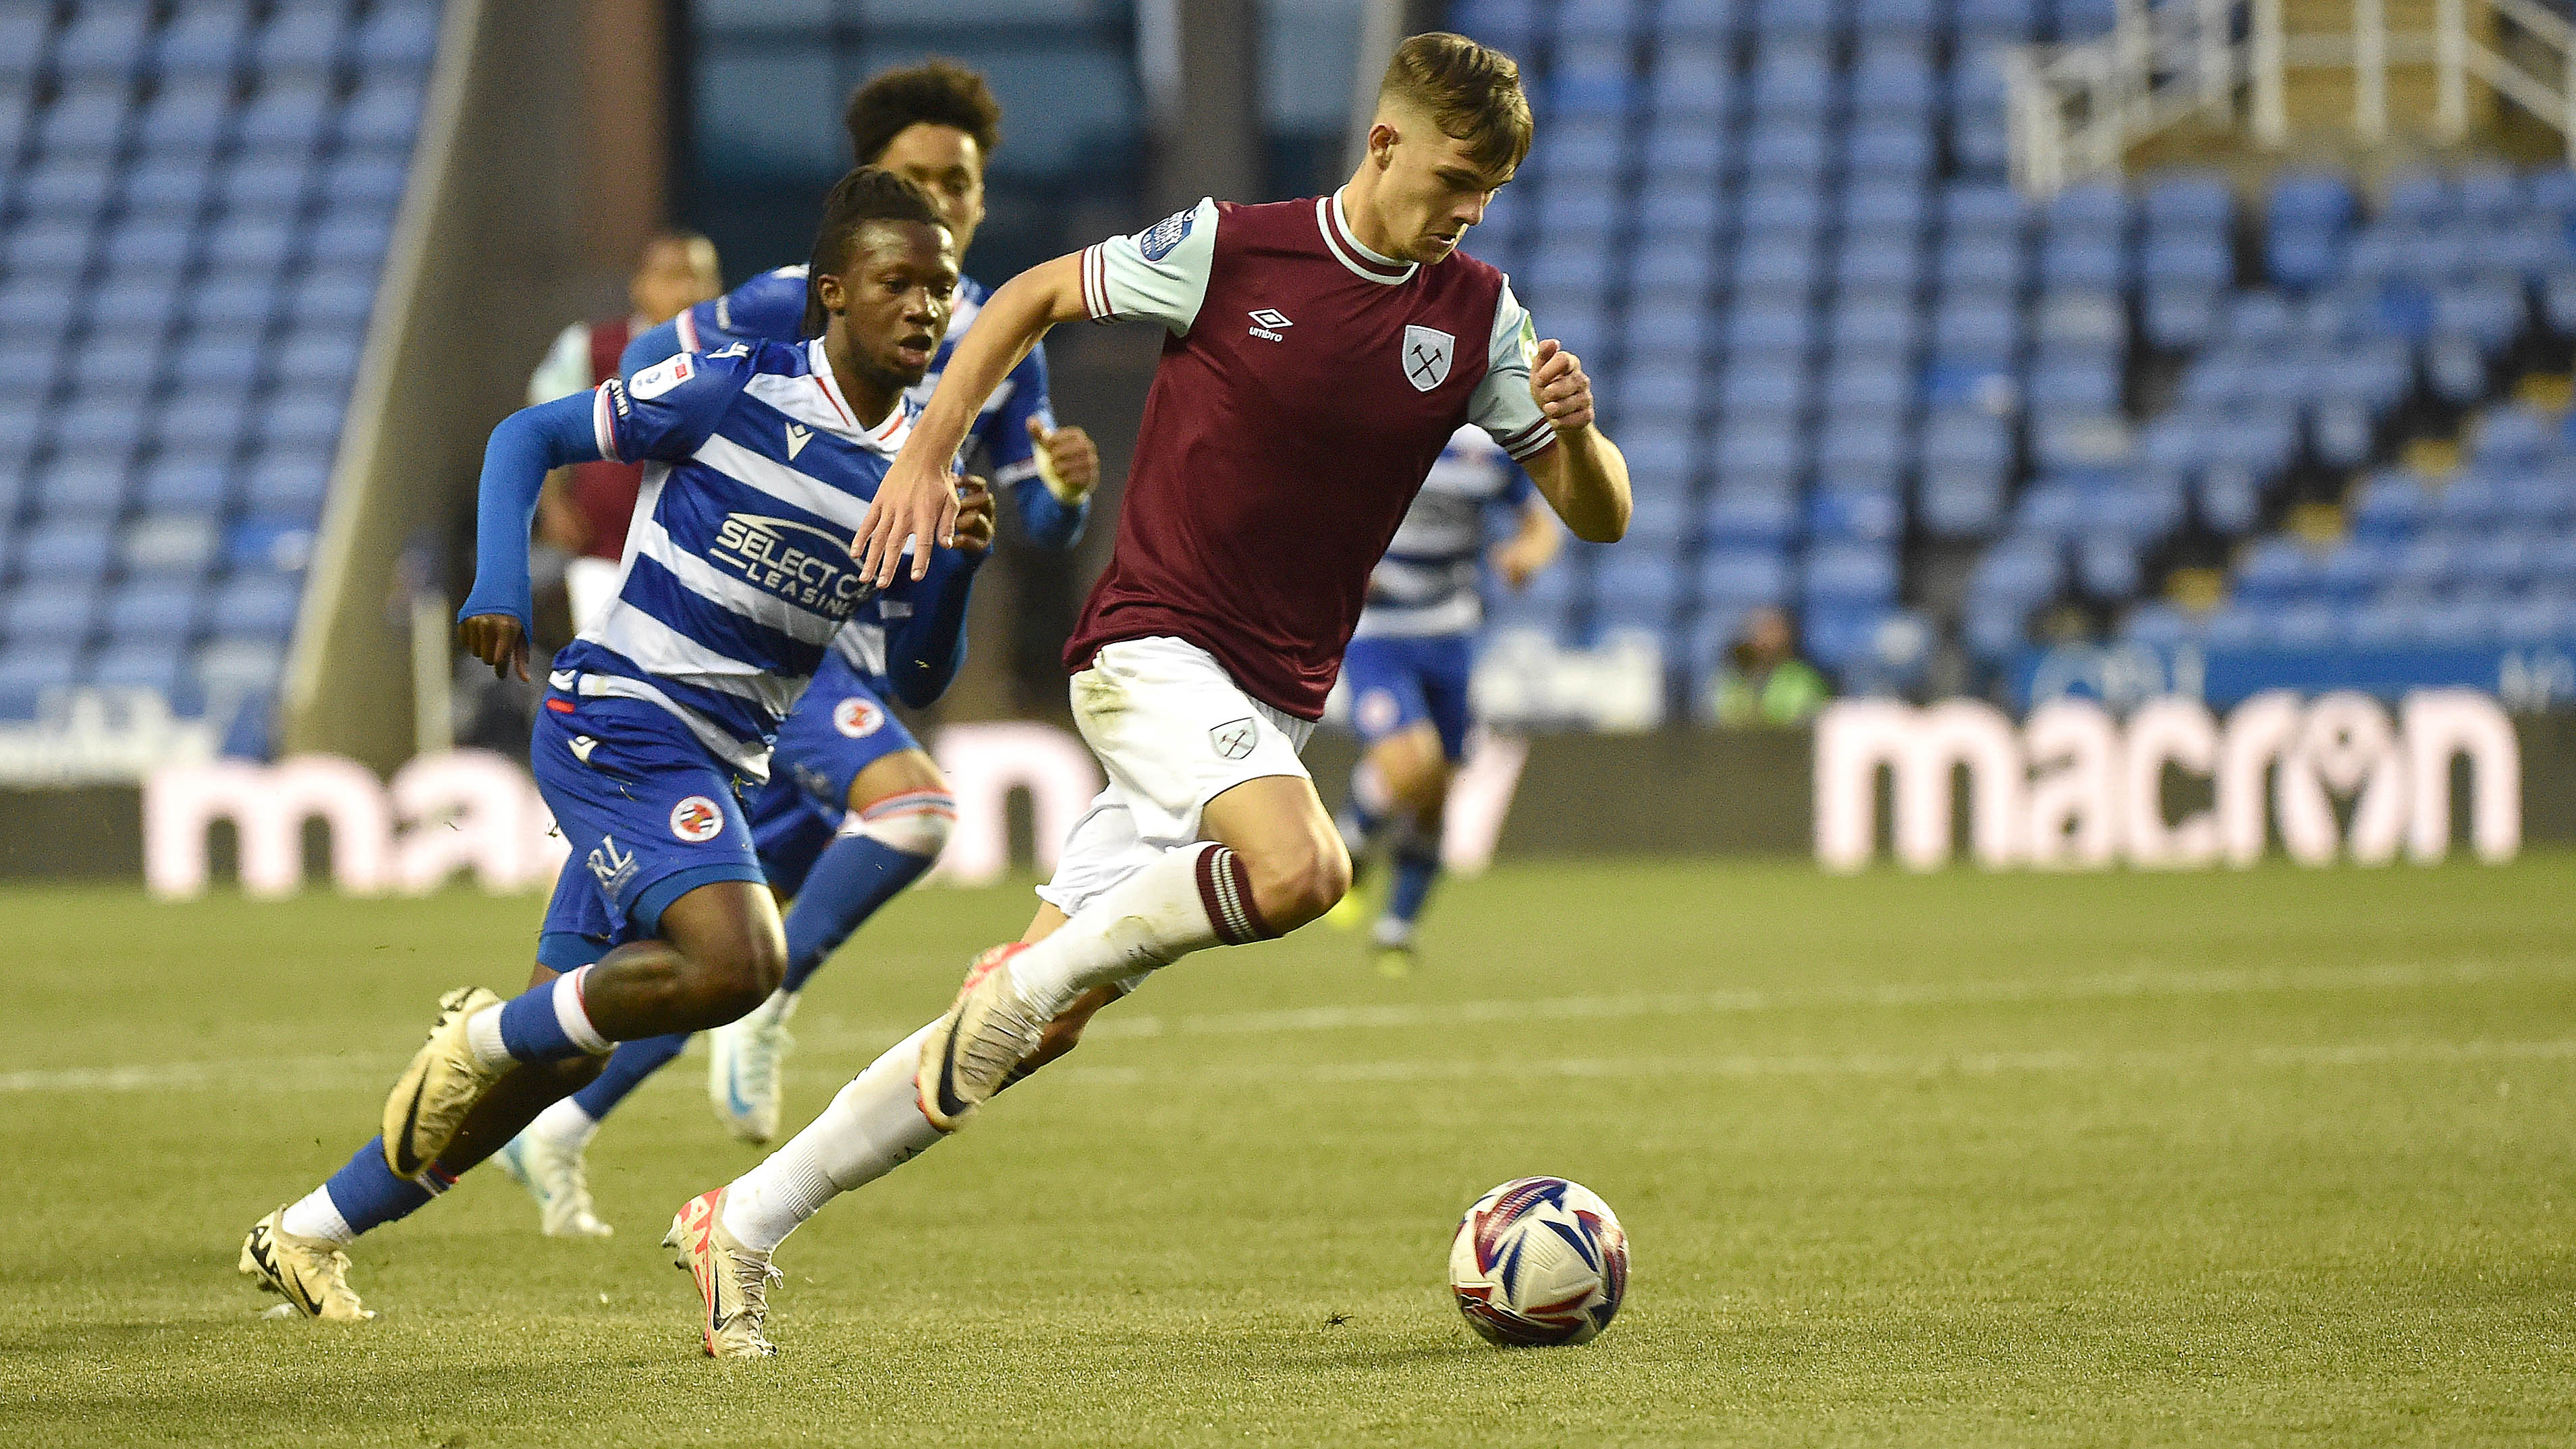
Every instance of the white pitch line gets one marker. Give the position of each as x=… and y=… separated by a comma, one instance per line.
x=308, y=1074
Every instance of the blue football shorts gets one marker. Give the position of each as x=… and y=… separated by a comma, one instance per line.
x=649, y=813
x=1397, y=683
x=838, y=729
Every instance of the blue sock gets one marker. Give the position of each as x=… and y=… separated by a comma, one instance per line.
x=368, y=1194
x=627, y=1068
x=1417, y=865
x=857, y=874
x=540, y=1023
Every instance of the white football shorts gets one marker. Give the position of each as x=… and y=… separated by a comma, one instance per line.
x=1173, y=731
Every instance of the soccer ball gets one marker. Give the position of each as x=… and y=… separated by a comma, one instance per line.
x=1539, y=1260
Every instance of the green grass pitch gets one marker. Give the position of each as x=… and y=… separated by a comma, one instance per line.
x=2273, y=1157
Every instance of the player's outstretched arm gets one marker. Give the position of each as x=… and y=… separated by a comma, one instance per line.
x=916, y=499
x=1585, y=476
x=493, y=624
x=925, y=650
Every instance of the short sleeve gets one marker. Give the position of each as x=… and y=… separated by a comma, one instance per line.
x=566, y=369
x=1158, y=275
x=1004, y=431
x=667, y=411
x=1502, y=404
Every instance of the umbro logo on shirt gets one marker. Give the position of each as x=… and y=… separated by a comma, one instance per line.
x=797, y=438
x=1267, y=322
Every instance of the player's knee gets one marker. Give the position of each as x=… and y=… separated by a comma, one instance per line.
x=744, y=975
x=1297, y=883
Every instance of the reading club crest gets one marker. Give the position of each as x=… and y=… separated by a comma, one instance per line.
x=1426, y=356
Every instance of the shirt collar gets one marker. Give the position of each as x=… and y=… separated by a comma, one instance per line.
x=885, y=437
x=1346, y=248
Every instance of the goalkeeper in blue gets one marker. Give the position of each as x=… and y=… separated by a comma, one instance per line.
x=658, y=721
x=856, y=811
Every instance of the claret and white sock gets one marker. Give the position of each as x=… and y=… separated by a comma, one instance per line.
x=1187, y=900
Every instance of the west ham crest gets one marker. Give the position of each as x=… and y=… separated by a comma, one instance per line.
x=1426, y=356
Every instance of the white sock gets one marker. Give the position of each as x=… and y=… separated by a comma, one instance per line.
x=566, y=1123
x=314, y=1215
x=1191, y=898
x=483, y=1037
x=873, y=1127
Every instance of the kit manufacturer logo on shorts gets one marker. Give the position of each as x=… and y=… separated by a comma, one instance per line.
x=697, y=820
x=858, y=718
x=1234, y=740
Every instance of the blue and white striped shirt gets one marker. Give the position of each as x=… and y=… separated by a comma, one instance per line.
x=1428, y=583
x=737, y=569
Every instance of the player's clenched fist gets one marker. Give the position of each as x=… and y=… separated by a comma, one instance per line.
x=1559, y=386
x=1068, y=461
x=974, y=515
x=497, y=640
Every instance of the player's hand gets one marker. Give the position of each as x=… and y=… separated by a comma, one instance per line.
x=974, y=515
x=1068, y=461
x=1559, y=387
x=497, y=640
x=916, y=501
x=1519, y=560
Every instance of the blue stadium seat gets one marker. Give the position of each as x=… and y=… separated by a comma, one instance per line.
x=377, y=183
x=1780, y=209
x=1996, y=20
x=60, y=610
x=348, y=295
x=1888, y=150
x=83, y=488
x=155, y=609
x=2085, y=260
x=2419, y=196
x=399, y=33
x=2189, y=202
x=2199, y=260
x=289, y=481
x=1810, y=21
x=1863, y=450
x=1681, y=216
x=1870, y=515
x=255, y=606
x=102, y=429
x=1591, y=77
x=2228, y=498
x=104, y=40
x=289, y=117
x=1981, y=265
x=1868, y=329
x=1787, y=155
x=203, y=38
x=2179, y=317
x=2388, y=506
x=1736, y=579
x=1658, y=395
x=76, y=549
x=1783, y=334
x=1660, y=455
x=306, y=37
x=1893, y=80
x=1961, y=502
x=2079, y=20
x=22, y=39
x=28, y=673
x=157, y=664
x=1634, y=590
x=1699, y=21
x=1870, y=389
x=46, y=252
x=2311, y=198
x=2022, y=571
x=1688, y=153
x=1884, y=210
x=1793, y=81
x=1691, y=83
x=1663, y=509
x=1757, y=393
x=2107, y=566
x=1679, y=274
x=2491, y=313
x=1983, y=208
x=175, y=189
x=1670, y=336
x=2427, y=564
x=84, y=122
x=1570, y=213
x=1850, y=575
x=2158, y=624
x=2275, y=571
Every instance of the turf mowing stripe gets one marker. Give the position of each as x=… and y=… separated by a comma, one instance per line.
x=2348, y=1054
x=328, y=1073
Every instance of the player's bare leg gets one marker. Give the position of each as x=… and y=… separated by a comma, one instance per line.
x=720, y=952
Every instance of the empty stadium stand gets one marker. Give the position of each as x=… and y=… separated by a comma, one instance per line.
x=195, y=205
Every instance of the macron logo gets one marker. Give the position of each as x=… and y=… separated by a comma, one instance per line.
x=1267, y=322
x=796, y=439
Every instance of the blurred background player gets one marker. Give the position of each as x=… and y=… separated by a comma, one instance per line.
x=1764, y=682
x=585, y=509
x=659, y=719
x=1275, y=462
x=1407, y=668
x=855, y=810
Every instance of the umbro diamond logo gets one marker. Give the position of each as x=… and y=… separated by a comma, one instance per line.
x=1267, y=322
x=797, y=438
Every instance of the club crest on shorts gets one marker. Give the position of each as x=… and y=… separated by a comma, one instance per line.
x=1426, y=356
x=697, y=820
x=1235, y=739
x=858, y=718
